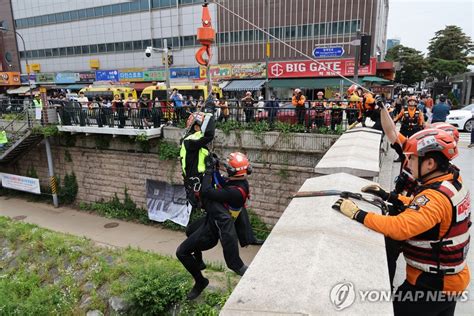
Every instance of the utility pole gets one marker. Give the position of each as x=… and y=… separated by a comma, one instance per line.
x=267, y=53
x=357, y=57
x=167, y=67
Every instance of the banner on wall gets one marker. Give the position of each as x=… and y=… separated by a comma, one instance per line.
x=45, y=77
x=298, y=69
x=131, y=75
x=67, y=77
x=167, y=202
x=248, y=71
x=107, y=75
x=154, y=75
x=20, y=183
x=184, y=73
x=10, y=78
x=218, y=72
x=86, y=77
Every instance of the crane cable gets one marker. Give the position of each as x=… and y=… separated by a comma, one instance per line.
x=288, y=45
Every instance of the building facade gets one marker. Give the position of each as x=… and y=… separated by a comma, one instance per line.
x=391, y=42
x=63, y=35
x=303, y=24
x=9, y=56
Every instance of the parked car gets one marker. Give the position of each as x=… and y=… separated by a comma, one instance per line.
x=462, y=119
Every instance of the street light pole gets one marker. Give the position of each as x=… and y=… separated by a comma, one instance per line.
x=26, y=57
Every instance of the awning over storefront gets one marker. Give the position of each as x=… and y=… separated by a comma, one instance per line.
x=20, y=90
x=375, y=79
x=319, y=83
x=244, y=85
x=75, y=86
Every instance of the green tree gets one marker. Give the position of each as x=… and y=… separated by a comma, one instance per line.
x=412, y=62
x=447, y=52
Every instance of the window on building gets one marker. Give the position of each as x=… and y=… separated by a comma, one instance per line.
x=37, y=20
x=305, y=31
x=101, y=48
x=118, y=47
x=333, y=29
x=48, y=53
x=74, y=16
x=353, y=26
x=22, y=55
x=111, y=47
x=55, y=52
x=185, y=1
x=81, y=14
x=115, y=9
x=251, y=35
x=59, y=17
x=99, y=11
x=157, y=43
x=90, y=13
x=85, y=50
x=70, y=51
x=93, y=49
x=169, y=42
x=322, y=30
x=176, y=41
x=188, y=41
x=29, y=54
x=77, y=50
x=137, y=45
x=66, y=17
x=34, y=54
x=165, y=3
x=155, y=4
x=62, y=51
x=134, y=6
x=128, y=46
x=146, y=43
x=44, y=19
x=144, y=5
x=125, y=7
x=107, y=10
x=290, y=31
x=40, y=53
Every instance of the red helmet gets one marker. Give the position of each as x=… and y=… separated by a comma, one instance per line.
x=429, y=140
x=195, y=118
x=447, y=128
x=238, y=165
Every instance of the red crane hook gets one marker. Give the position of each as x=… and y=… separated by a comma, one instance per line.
x=206, y=36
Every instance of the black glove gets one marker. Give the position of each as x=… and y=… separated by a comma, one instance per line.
x=376, y=190
x=379, y=101
x=359, y=119
x=210, y=163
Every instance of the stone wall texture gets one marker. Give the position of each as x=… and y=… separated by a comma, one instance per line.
x=103, y=172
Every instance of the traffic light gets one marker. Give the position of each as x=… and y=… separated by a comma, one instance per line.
x=365, y=45
x=170, y=59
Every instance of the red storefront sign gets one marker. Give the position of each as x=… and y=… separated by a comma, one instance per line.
x=298, y=69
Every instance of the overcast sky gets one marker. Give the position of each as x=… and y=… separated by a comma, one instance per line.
x=415, y=22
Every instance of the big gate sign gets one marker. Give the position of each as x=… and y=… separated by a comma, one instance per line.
x=298, y=69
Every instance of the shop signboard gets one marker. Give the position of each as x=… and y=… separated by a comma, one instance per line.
x=86, y=77
x=10, y=78
x=24, y=79
x=45, y=77
x=154, y=75
x=131, y=75
x=184, y=73
x=67, y=77
x=218, y=72
x=248, y=71
x=107, y=75
x=311, y=69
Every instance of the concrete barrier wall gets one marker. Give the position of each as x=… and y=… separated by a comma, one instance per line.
x=356, y=152
x=312, y=249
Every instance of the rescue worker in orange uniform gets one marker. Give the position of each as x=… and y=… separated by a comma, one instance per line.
x=434, y=226
x=298, y=102
x=410, y=117
x=368, y=108
x=355, y=97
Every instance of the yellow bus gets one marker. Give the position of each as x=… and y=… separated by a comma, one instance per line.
x=108, y=92
x=194, y=90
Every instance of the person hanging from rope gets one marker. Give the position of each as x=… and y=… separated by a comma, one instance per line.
x=223, y=205
x=200, y=132
x=434, y=226
x=370, y=108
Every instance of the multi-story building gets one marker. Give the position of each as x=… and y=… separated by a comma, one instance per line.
x=9, y=57
x=391, y=42
x=75, y=36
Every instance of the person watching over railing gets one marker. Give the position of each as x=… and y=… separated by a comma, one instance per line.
x=118, y=106
x=298, y=102
x=84, y=102
x=248, y=105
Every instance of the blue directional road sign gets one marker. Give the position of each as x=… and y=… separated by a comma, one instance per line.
x=324, y=52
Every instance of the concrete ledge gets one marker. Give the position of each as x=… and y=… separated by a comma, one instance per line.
x=151, y=133
x=356, y=152
x=310, y=250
